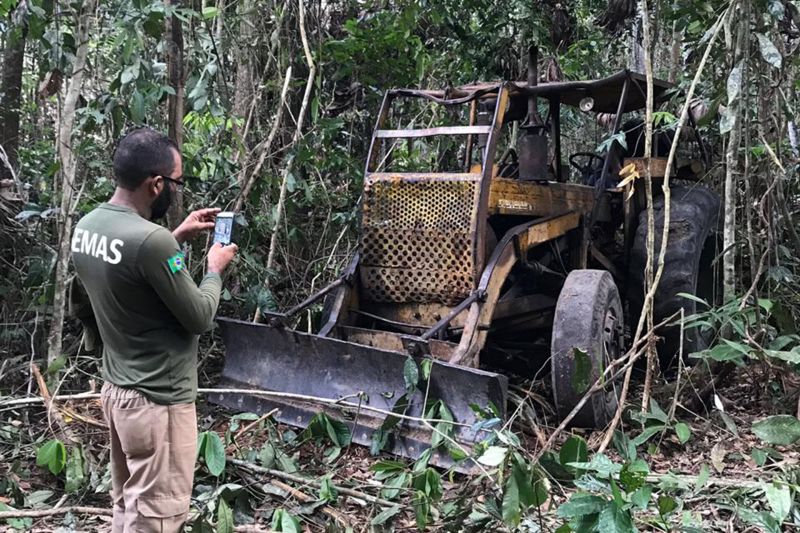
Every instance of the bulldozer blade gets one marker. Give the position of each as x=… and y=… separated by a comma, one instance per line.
x=265, y=357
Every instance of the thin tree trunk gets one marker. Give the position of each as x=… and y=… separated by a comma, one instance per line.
x=731, y=160
x=10, y=94
x=652, y=360
x=68, y=159
x=243, y=93
x=175, y=102
x=298, y=134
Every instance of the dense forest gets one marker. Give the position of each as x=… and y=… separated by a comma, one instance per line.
x=273, y=105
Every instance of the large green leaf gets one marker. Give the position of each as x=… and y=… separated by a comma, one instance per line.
x=779, y=498
x=53, y=455
x=224, y=517
x=285, y=522
x=384, y=516
x=410, y=374
x=768, y=51
x=781, y=430
x=574, y=450
x=581, y=504
x=213, y=452
x=614, y=519
x=75, y=473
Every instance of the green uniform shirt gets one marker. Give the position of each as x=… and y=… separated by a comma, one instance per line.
x=149, y=310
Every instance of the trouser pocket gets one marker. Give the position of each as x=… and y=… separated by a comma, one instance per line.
x=162, y=515
x=136, y=430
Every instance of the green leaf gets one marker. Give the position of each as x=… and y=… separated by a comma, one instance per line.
x=426, y=365
x=583, y=371
x=657, y=412
x=422, y=509
x=53, y=455
x=394, y=485
x=385, y=516
x=600, y=464
x=574, y=450
x=614, y=519
x=224, y=517
x=734, y=84
x=322, y=426
x=647, y=434
x=633, y=474
x=781, y=430
x=511, y=500
x=702, y=478
x=75, y=474
x=285, y=522
x=214, y=453
x=327, y=490
x=768, y=51
x=759, y=456
x=581, y=504
x=429, y=482
x=410, y=374
x=493, y=456
x=683, y=432
x=641, y=496
x=209, y=12
x=729, y=423
x=388, y=465
x=666, y=504
x=779, y=498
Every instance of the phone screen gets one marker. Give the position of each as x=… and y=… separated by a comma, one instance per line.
x=223, y=229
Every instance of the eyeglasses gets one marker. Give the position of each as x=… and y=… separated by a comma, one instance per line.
x=180, y=181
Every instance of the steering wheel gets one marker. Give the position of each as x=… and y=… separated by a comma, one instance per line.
x=507, y=169
x=587, y=168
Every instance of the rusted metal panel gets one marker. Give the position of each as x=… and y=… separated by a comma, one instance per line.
x=417, y=239
x=547, y=230
x=386, y=340
x=514, y=197
x=295, y=363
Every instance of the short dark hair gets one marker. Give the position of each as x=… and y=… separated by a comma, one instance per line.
x=142, y=153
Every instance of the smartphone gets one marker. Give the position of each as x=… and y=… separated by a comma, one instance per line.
x=223, y=229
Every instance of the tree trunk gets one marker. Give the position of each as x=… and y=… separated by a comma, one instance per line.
x=731, y=159
x=175, y=101
x=10, y=93
x=243, y=93
x=68, y=160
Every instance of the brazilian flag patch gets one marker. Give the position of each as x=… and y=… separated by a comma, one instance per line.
x=176, y=262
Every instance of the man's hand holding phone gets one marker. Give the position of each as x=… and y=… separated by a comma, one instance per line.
x=220, y=256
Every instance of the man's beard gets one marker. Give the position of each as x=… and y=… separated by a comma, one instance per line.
x=161, y=204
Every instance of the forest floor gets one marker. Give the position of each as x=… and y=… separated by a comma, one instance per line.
x=720, y=468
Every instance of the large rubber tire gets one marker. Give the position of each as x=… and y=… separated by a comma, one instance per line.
x=691, y=248
x=588, y=318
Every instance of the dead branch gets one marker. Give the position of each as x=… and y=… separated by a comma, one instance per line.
x=41, y=513
x=311, y=482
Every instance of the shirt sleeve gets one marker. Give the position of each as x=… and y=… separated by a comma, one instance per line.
x=162, y=264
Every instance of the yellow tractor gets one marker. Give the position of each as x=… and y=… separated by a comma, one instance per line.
x=482, y=255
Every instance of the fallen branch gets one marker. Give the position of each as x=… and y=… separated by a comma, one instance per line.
x=41, y=513
x=305, y=481
x=302, y=497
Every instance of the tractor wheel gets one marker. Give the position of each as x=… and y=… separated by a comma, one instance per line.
x=688, y=265
x=587, y=335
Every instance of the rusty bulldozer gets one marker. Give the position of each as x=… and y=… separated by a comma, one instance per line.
x=482, y=255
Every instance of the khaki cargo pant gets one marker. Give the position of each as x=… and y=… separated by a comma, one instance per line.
x=153, y=451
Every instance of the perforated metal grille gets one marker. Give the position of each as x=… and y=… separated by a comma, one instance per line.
x=416, y=243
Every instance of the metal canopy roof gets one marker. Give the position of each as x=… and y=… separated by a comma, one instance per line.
x=606, y=92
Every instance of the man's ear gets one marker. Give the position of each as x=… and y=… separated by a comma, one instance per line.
x=156, y=185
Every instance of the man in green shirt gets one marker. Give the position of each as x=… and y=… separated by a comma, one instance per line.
x=149, y=313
